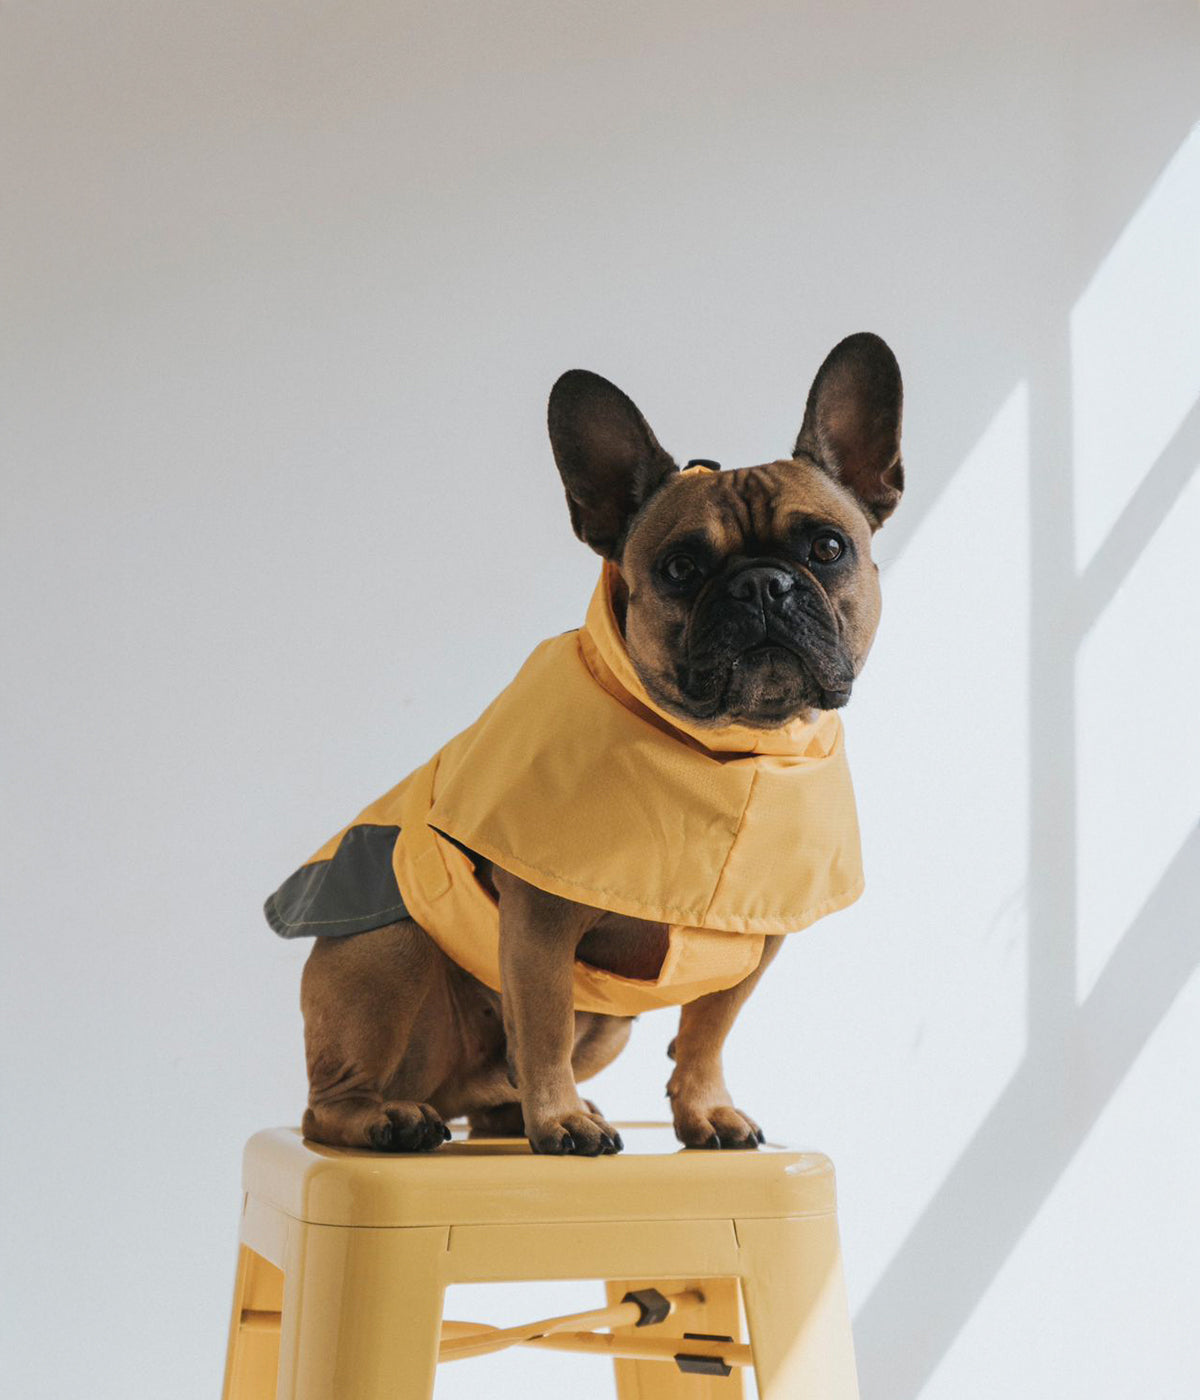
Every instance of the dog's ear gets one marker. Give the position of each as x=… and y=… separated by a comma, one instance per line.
x=609, y=460
x=852, y=423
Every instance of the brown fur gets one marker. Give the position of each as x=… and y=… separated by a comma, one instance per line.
x=399, y=1038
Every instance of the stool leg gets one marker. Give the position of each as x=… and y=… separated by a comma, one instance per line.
x=796, y=1309
x=718, y=1315
x=252, y=1358
x=362, y=1313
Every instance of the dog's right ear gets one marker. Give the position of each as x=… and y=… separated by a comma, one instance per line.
x=609, y=460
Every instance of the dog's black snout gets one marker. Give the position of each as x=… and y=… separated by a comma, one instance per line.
x=761, y=584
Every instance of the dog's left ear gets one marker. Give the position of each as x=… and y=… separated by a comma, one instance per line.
x=852, y=423
x=609, y=460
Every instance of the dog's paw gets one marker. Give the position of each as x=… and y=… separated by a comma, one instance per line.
x=582, y=1134
x=405, y=1127
x=720, y=1126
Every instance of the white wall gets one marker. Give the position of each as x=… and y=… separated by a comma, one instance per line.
x=286, y=289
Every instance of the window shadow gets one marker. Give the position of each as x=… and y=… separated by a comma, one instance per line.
x=1078, y=1051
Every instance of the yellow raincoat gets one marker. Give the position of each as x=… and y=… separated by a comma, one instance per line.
x=576, y=781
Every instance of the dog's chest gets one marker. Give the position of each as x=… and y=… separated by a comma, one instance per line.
x=627, y=947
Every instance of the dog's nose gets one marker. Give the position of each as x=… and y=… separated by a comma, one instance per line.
x=761, y=584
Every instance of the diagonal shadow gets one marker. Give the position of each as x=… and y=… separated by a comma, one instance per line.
x=1157, y=492
x=1007, y=1171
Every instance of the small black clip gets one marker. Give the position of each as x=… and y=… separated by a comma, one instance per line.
x=655, y=1308
x=705, y=462
x=702, y=1365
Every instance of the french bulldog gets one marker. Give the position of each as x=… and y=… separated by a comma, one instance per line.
x=746, y=601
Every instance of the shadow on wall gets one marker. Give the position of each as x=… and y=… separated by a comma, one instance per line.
x=1114, y=911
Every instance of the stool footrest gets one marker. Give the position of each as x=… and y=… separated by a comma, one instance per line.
x=703, y=1363
x=621, y=1346
x=634, y=1310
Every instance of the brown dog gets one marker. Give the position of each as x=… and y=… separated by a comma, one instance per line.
x=745, y=598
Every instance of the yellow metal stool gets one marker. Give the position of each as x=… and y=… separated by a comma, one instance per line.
x=345, y=1256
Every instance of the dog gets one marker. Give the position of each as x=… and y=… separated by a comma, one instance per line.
x=637, y=820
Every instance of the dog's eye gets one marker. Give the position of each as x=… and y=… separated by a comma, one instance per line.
x=826, y=547
x=679, y=568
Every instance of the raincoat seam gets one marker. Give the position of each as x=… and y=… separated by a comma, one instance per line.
x=741, y=821
x=314, y=923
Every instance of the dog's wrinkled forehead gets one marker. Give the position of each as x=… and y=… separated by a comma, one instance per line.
x=745, y=511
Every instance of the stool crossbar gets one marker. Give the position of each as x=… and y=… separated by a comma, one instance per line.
x=345, y=1256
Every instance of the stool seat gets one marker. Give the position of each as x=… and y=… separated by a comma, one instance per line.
x=344, y=1258
x=472, y=1181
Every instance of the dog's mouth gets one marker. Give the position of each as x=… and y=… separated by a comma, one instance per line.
x=768, y=654
x=833, y=685
x=764, y=685
x=770, y=682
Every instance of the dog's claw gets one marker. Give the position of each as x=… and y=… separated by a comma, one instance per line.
x=717, y=1127
x=574, y=1134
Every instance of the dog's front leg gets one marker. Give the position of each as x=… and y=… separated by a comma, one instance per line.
x=539, y=934
x=700, y=1102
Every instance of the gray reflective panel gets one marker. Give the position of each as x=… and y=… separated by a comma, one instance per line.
x=352, y=892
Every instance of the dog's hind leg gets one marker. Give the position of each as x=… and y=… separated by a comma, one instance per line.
x=362, y=997
x=598, y=1041
x=504, y=1120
